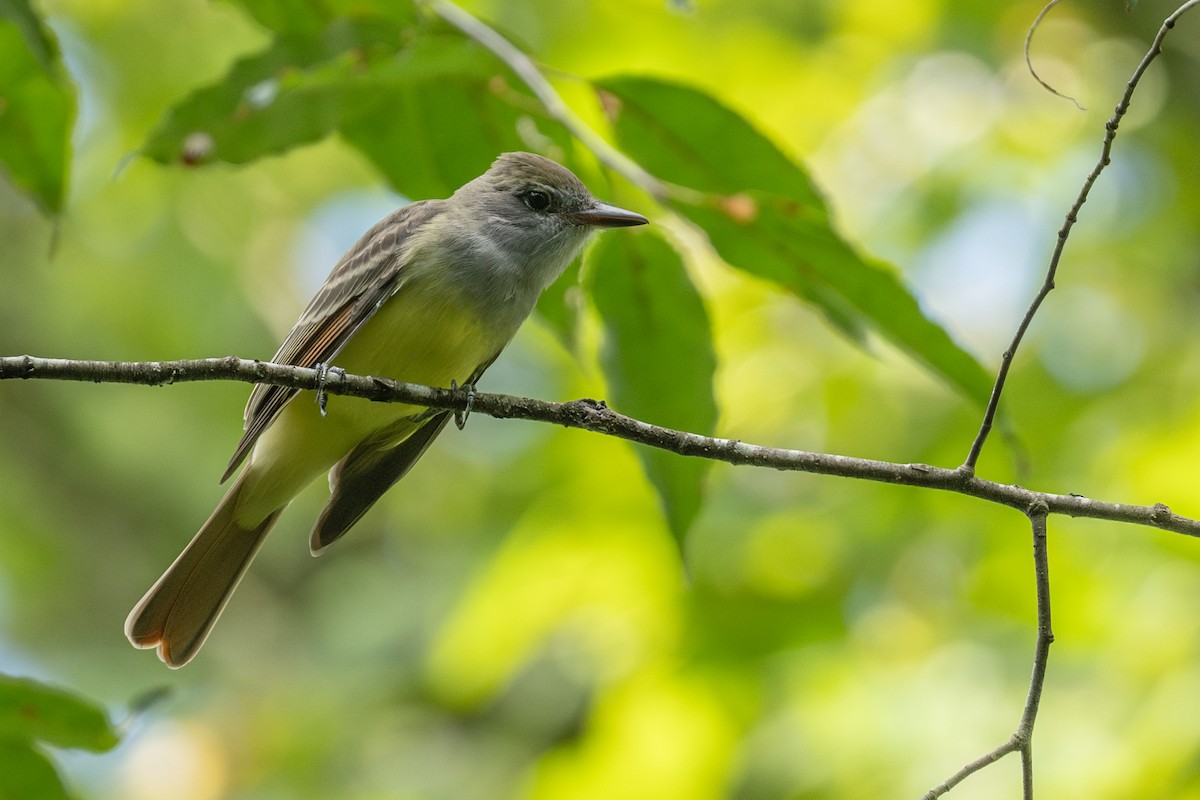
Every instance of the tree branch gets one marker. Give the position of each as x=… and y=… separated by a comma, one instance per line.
x=594, y=416
x=1041, y=654
x=1110, y=133
x=1022, y=739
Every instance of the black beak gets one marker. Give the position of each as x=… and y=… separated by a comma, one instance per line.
x=602, y=215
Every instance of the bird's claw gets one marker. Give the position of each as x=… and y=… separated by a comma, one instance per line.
x=323, y=370
x=460, y=416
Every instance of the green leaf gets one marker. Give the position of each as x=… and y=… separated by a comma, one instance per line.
x=445, y=116
x=429, y=113
x=764, y=215
x=294, y=92
x=28, y=775
x=285, y=16
x=435, y=135
x=561, y=304
x=784, y=243
x=307, y=17
x=37, y=106
x=658, y=356
x=686, y=137
x=34, y=712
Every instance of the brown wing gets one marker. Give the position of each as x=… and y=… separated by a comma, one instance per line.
x=367, y=275
x=361, y=478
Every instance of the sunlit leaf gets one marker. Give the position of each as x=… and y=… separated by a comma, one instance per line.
x=37, y=106
x=764, y=215
x=784, y=243
x=658, y=357
x=27, y=774
x=561, y=303
x=34, y=712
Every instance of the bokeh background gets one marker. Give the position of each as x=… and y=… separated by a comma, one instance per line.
x=515, y=619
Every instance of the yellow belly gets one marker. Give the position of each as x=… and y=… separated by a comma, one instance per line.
x=414, y=337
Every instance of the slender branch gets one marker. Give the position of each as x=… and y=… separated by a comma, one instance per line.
x=1110, y=133
x=1041, y=655
x=1022, y=739
x=594, y=416
x=555, y=106
x=1029, y=61
x=1011, y=746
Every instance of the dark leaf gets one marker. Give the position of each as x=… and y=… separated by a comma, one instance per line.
x=310, y=17
x=296, y=91
x=433, y=136
x=446, y=118
x=674, y=131
x=431, y=114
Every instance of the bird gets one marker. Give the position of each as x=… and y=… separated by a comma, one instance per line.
x=430, y=294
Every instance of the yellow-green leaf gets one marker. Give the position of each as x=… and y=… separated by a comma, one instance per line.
x=34, y=712
x=658, y=357
x=764, y=215
x=37, y=106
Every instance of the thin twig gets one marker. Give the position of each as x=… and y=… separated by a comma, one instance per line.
x=1041, y=656
x=1011, y=746
x=1110, y=133
x=595, y=416
x=524, y=68
x=1022, y=739
x=1029, y=61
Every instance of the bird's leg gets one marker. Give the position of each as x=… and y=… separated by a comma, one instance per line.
x=460, y=417
x=323, y=369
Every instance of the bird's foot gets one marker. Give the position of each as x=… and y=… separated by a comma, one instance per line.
x=460, y=416
x=323, y=371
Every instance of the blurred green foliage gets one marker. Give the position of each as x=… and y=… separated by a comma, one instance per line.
x=515, y=619
x=33, y=714
x=38, y=106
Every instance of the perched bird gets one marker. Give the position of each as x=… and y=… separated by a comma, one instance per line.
x=431, y=294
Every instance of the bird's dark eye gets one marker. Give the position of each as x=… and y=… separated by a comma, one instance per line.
x=536, y=199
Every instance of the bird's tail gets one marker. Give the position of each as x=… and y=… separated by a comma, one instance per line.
x=178, y=612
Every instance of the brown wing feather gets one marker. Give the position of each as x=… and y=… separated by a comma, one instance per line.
x=361, y=478
x=362, y=280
